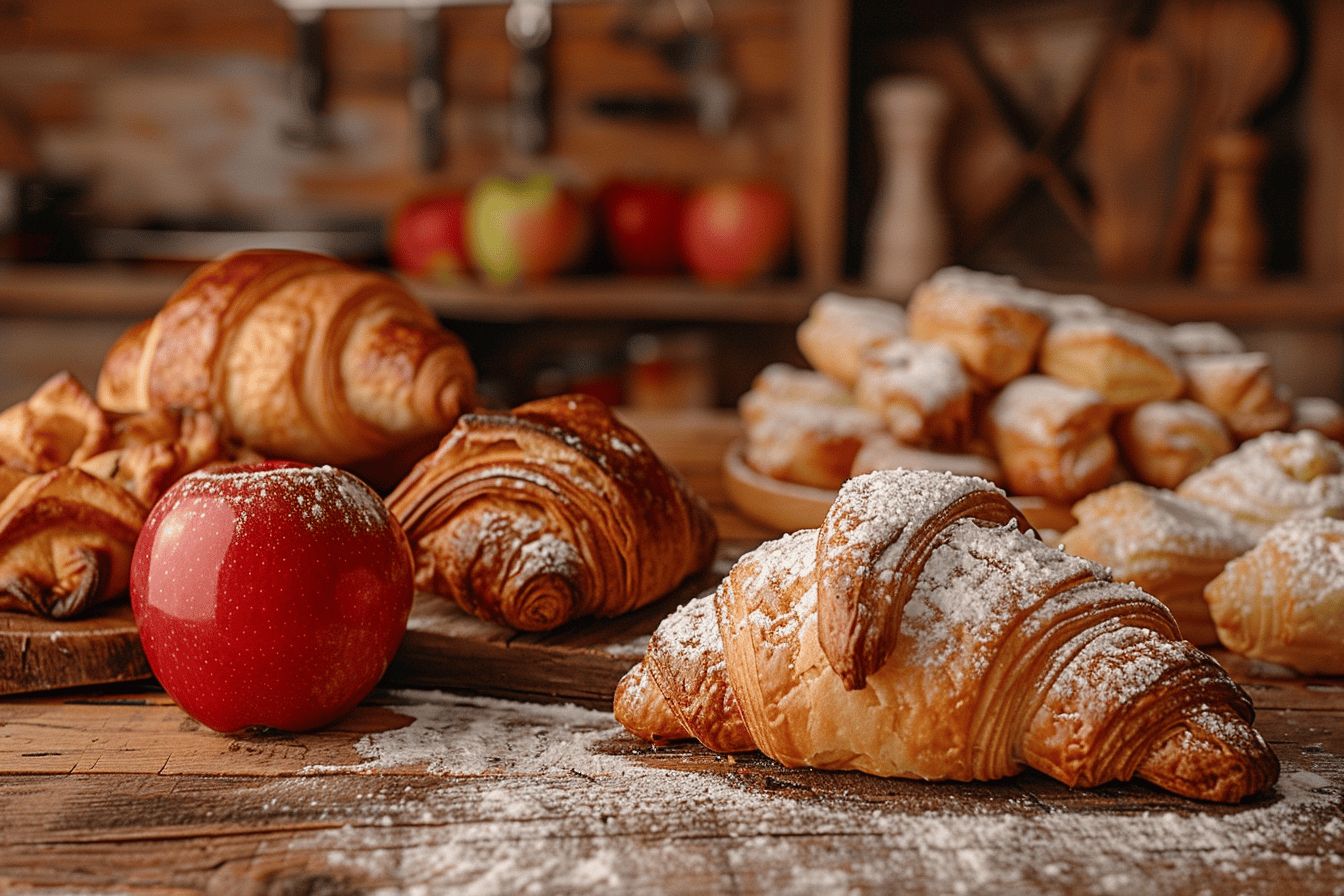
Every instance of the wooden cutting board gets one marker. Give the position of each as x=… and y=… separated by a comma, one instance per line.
x=443, y=648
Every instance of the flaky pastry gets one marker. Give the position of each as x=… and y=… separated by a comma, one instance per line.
x=1163, y=442
x=1169, y=546
x=1009, y=654
x=840, y=328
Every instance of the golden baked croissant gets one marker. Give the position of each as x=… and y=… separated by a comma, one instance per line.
x=1284, y=600
x=1126, y=364
x=75, y=485
x=1010, y=654
x=299, y=356
x=549, y=513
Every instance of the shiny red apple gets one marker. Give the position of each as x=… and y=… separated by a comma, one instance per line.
x=734, y=232
x=428, y=237
x=271, y=595
x=641, y=220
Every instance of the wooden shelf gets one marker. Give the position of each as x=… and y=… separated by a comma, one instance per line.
x=1283, y=302
x=118, y=291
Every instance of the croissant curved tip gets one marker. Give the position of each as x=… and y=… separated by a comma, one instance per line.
x=1213, y=756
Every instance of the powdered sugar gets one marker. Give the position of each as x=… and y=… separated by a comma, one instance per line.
x=1040, y=407
x=926, y=375
x=561, y=812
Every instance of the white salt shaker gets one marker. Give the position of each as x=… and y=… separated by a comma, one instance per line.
x=909, y=236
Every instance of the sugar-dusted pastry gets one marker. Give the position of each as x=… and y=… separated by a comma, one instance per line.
x=549, y=513
x=1163, y=442
x=801, y=426
x=988, y=320
x=1284, y=600
x=1127, y=365
x=1169, y=546
x=1007, y=654
x=1203, y=338
x=299, y=356
x=840, y=328
x=1241, y=390
x=1051, y=438
x=883, y=452
x=75, y=485
x=1321, y=414
x=1278, y=476
x=920, y=391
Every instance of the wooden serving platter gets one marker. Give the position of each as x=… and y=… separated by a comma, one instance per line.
x=788, y=506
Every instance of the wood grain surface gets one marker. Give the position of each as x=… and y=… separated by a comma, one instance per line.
x=428, y=792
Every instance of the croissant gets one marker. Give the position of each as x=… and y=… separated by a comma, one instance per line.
x=75, y=485
x=1127, y=365
x=299, y=356
x=1284, y=600
x=1010, y=654
x=555, y=511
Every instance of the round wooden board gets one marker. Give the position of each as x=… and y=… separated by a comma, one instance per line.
x=788, y=506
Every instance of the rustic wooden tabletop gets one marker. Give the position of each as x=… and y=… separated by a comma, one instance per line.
x=428, y=791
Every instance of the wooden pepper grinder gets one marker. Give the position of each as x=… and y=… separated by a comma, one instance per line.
x=1232, y=243
x=908, y=234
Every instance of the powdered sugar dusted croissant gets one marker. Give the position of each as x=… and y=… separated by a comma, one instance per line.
x=549, y=513
x=299, y=356
x=1009, y=654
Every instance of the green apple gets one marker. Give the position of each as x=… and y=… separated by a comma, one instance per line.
x=524, y=228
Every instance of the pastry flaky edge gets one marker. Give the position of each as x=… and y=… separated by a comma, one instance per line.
x=548, y=513
x=75, y=485
x=1167, y=545
x=299, y=356
x=1283, y=601
x=1009, y=654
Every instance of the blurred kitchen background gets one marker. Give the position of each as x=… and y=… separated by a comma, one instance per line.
x=725, y=161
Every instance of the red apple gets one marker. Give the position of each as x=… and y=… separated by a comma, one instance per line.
x=429, y=238
x=641, y=220
x=272, y=595
x=524, y=228
x=734, y=232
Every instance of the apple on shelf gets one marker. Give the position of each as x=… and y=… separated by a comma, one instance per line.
x=734, y=232
x=428, y=237
x=641, y=220
x=528, y=228
x=271, y=595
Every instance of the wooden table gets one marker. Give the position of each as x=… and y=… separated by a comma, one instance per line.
x=437, y=792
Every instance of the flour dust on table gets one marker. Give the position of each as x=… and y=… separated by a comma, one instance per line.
x=507, y=818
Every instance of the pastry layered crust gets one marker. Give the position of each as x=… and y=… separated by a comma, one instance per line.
x=299, y=356
x=1052, y=439
x=75, y=485
x=803, y=427
x=1168, y=546
x=988, y=321
x=839, y=329
x=1164, y=442
x=1241, y=390
x=920, y=391
x=1284, y=600
x=1125, y=364
x=1008, y=654
x=550, y=513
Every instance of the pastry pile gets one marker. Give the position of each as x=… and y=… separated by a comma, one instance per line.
x=1049, y=395
x=76, y=483
x=1245, y=551
x=529, y=518
x=923, y=631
